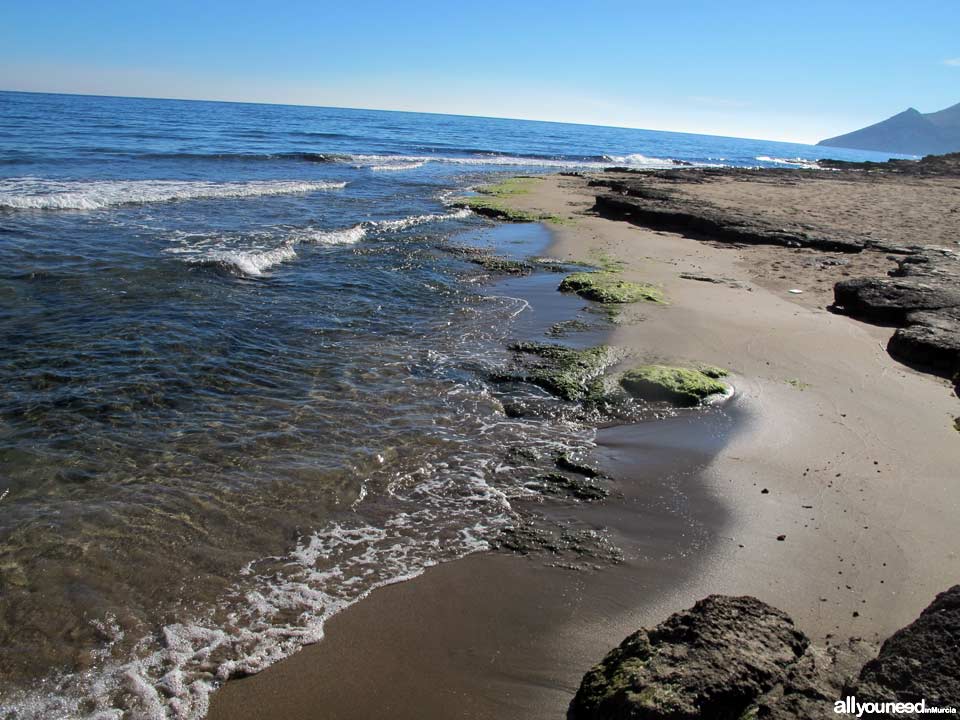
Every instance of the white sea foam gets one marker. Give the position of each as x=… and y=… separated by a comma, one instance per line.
x=254, y=253
x=345, y=236
x=792, y=162
x=42, y=194
x=413, y=220
x=387, y=167
x=250, y=262
x=388, y=162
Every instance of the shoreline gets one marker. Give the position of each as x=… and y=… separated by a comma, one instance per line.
x=824, y=438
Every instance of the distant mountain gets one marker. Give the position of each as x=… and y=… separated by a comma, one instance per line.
x=910, y=132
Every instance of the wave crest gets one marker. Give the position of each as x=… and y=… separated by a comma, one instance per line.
x=42, y=194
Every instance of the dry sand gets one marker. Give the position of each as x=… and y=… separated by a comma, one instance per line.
x=857, y=453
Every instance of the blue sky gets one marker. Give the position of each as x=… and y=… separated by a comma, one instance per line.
x=774, y=69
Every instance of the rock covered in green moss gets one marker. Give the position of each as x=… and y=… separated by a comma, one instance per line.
x=569, y=373
x=712, y=371
x=608, y=288
x=677, y=385
x=502, y=265
x=711, y=661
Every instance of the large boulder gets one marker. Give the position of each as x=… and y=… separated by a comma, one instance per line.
x=711, y=661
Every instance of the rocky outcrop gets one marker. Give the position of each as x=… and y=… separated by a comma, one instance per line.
x=628, y=198
x=711, y=661
x=737, y=658
x=922, y=296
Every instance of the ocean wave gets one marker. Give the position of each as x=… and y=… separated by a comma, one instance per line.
x=251, y=263
x=413, y=220
x=252, y=254
x=387, y=167
x=792, y=162
x=42, y=194
x=593, y=162
x=345, y=236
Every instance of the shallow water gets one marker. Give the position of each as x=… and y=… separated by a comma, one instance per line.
x=242, y=383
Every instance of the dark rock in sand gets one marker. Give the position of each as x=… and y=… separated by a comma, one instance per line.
x=711, y=661
x=891, y=299
x=731, y=658
x=630, y=197
x=922, y=295
x=920, y=661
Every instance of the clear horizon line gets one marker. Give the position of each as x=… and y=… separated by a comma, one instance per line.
x=408, y=112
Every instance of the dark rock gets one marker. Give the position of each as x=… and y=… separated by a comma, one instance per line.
x=632, y=199
x=712, y=661
x=920, y=661
x=571, y=464
x=559, y=484
x=932, y=340
x=923, y=295
x=892, y=299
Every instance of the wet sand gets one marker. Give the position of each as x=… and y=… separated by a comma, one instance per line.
x=856, y=452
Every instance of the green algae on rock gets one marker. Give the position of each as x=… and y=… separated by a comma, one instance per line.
x=565, y=372
x=490, y=202
x=712, y=371
x=494, y=207
x=502, y=265
x=678, y=385
x=518, y=185
x=607, y=288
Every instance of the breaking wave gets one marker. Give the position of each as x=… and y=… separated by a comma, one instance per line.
x=42, y=194
x=252, y=254
x=790, y=162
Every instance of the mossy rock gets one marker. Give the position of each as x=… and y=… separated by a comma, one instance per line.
x=501, y=265
x=609, y=289
x=677, y=385
x=565, y=372
x=712, y=371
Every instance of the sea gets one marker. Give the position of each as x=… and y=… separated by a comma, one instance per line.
x=245, y=375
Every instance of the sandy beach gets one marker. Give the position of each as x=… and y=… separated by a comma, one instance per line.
x=845, y=453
